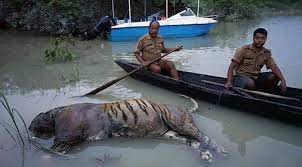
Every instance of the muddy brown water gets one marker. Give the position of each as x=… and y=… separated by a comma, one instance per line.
x=31, y=86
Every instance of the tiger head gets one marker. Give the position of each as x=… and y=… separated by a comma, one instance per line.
x=43, y=125
x=181, y=117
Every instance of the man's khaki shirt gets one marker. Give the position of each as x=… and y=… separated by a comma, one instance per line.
x=150, y=48
x=250, y=62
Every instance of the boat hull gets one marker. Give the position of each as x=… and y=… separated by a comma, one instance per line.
x=166, y=31
x=192, y=84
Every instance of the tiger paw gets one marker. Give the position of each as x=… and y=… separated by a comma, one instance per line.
x=210, y=144
x=207, y=156
x=61, y=147
x=221, y=151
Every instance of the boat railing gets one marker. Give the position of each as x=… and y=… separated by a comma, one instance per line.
x=214, y=17
x=121, y=21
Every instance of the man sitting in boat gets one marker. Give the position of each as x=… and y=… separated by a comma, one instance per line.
x=150, y=47
x=248, y=62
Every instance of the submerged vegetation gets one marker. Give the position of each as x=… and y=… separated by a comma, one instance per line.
x=59, y=50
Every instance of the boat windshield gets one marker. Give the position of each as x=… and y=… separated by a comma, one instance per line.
x=187, y=13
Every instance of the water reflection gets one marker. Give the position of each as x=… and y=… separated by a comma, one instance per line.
x=244, y=131
x=144, y=144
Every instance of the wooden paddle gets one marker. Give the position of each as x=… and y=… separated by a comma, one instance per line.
x=246, y=91
x=102, y=87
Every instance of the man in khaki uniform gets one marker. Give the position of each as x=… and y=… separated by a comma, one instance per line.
x=150, y=47
x=248, y=62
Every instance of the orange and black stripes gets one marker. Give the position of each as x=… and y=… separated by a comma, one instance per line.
x=141, y=100
x=108, y=114
x=167, y=112
x=161, y=110
x=122, y=110
x=142, y=106
x=153, y=106
x=125, y=118
x=130, y=108
x=114, y=111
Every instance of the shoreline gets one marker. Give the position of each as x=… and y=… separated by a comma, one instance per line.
x=79, y=17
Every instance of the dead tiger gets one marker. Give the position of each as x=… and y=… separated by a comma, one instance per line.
x=135, y=118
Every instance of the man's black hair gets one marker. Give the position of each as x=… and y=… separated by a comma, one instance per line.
x=261, y=31
x=153, y=21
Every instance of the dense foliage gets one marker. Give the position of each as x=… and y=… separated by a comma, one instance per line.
x=77, y=16
x=238, y=9
x=225, y=8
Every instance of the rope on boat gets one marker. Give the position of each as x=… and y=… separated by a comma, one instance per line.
x=220, y=95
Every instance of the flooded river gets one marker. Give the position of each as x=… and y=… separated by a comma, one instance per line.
x=31, y=86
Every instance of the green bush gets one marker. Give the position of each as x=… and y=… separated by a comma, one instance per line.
x=238, y=9
x=59, y=52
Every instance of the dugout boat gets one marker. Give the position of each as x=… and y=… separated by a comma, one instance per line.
x=287, y=107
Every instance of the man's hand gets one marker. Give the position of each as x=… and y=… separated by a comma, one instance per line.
x=283, y=87
x=228, y=85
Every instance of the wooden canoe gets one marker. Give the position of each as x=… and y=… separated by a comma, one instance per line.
x=287, y=107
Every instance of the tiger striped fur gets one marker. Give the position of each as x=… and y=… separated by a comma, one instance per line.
x=75, y=123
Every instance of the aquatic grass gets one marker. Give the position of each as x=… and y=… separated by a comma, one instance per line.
x=11, y=114
x=24, y=124
x=15, y=131
x=76, y=70
x=11, y=135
